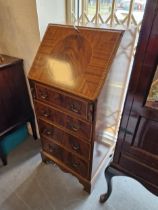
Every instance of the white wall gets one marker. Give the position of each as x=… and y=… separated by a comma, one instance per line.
x=19, y=31
x=50, y=11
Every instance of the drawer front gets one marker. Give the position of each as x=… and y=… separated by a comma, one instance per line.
x=57, y=98
x=73, y=162
x=52, y=149
x=72, y=143
x=77, y=127
x=76, y=164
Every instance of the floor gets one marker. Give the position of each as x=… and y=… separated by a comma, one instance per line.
x=28, y=184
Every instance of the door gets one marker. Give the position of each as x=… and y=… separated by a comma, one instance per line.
x=137, y=146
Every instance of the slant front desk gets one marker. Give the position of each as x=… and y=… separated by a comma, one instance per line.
x=67, y=81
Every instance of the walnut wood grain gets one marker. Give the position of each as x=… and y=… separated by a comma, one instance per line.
x=67, y=80
x=69, y=142
x=77, y=127
x=72, y=161
x=58, y=98
x=76, y=61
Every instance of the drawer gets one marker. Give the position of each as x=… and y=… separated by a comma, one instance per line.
x=64, y=139
x=52, y=149
x=57, y=98
x=51, y=132
x=73, y=162
x=76, y=164
x=77, y=127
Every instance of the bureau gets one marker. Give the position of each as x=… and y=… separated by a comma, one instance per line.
x=15, y=106
x=67, y=80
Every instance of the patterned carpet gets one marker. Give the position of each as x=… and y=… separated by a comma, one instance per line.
x=28, y=184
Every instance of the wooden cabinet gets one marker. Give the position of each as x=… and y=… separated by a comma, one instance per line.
x=136, y=152
x=15, y=107
x=67, y=80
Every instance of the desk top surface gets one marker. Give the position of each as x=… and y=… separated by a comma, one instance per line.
x=75, y=59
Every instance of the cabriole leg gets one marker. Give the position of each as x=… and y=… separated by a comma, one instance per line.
x=108, y=176
x=109, y=173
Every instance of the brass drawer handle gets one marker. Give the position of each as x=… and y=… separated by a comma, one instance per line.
x=75, y=146
x=44, y=95
x=46, y=114
x=75, y=127
x=48, y=132
x=51, y=148
x=74, y=108
x=75, y=165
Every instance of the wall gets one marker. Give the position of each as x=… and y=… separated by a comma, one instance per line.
x=50, y=11
x=19, y=28
x=19, y=31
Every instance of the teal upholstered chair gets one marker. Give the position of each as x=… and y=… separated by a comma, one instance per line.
x=12, y=140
